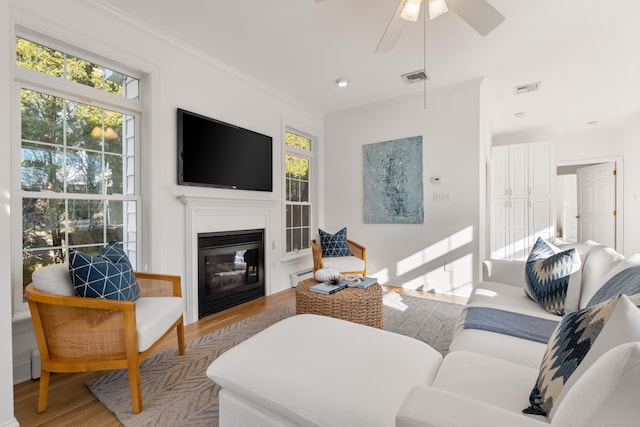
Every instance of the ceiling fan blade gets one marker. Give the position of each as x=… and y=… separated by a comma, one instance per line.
x=479, y=14
x=393, y=31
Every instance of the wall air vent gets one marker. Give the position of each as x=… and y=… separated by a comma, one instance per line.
x=530, y=87
x=415, y=77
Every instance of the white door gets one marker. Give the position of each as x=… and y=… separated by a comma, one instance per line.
x=499, y=228
x=597, y=203
x=519, y=239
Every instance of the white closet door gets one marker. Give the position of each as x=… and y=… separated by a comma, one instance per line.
x=500, y=171
x=518, y=175
x=499, y=240
x=541, y=169
x=519, y=240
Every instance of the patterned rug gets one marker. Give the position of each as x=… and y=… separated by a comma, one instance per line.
x=177, y=392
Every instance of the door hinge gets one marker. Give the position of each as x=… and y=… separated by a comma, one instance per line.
x=615, y=212
x=615, y=172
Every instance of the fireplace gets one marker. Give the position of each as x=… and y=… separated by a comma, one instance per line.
x=230, y=269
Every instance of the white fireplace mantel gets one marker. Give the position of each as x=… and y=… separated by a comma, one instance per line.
x=204, y=214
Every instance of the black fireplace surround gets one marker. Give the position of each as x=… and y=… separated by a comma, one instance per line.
x=230, y=269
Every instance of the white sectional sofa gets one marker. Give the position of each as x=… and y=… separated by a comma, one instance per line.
x=317, y=371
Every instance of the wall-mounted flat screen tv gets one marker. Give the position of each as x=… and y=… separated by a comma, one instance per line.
x=212, y=153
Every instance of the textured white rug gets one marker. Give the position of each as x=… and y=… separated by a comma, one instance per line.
x=177, y=392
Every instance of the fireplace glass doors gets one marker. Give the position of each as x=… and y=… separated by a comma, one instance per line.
x=230, y=269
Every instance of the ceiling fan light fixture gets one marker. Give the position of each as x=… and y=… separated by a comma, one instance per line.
x=437, y=8
x=411, y=10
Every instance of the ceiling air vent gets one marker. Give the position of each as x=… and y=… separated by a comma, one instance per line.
x=530, y=87
x=415, y=77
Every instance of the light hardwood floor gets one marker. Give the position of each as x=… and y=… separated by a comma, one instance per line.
x=70, y=403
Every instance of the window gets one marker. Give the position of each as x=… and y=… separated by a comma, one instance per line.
x=79, y=135
x=298, y=163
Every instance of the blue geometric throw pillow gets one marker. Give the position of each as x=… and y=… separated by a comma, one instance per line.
x=570, y=343
x=547, y=275
x=334, y=245
x=108, y=275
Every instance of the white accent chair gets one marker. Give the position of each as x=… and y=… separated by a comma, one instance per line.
x=77, y=334
x=355, y=264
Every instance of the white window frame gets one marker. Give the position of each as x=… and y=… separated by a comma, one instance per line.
x=286, y=149
x=40, y=82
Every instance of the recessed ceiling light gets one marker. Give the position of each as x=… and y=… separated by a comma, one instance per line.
x=342, y=82
x=520, y=114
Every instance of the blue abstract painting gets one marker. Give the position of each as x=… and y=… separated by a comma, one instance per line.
x=393, y=182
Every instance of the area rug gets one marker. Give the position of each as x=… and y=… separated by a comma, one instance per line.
x=177, y=392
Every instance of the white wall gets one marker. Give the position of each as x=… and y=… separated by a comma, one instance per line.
x=631, y=139
x=6, y=296
x=596, y=143
x=412, y=255
x=179, y=77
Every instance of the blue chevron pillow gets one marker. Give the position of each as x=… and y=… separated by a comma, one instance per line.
x=547, y=274
x=579, y=340
x=108, y=275
x=334, y=245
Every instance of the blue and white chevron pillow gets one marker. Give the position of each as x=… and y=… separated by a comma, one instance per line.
x=547, y=274
x=108, y=275
x=579, y=340
x=334, y=245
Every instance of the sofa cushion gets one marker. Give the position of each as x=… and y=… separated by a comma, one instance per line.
x=334, y=245
x=624, y=278
x=54, y=279
x=494, y=381
x=607, y=393
x=321, y=371
x=547, y=277
x=506, y=297
x=580, y=339
x=108, y=275
x=600, y=261
x=501, y=346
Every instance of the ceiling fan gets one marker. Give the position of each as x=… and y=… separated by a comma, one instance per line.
x=479, y=14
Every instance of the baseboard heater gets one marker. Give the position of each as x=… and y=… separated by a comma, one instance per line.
x=301, y=275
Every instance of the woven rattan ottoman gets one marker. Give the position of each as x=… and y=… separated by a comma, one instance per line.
x=362, y=306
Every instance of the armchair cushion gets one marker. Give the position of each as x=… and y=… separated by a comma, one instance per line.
x=154, y=317
x=334, y=245
x=108, y=275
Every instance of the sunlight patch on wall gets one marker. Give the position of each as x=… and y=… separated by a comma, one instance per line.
x=456, y=279
x=435, y=251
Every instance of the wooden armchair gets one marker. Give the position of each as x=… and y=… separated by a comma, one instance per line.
x=356, y=264
x=77, y=334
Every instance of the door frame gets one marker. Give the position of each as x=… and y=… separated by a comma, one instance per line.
x=619, y=191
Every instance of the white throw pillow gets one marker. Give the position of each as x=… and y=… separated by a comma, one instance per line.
x=54, y=279
x=601, y=260
x=607, y=394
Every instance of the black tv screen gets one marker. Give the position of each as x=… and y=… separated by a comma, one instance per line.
x=212, y=153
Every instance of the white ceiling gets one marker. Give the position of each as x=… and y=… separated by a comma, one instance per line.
x=586, y=53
